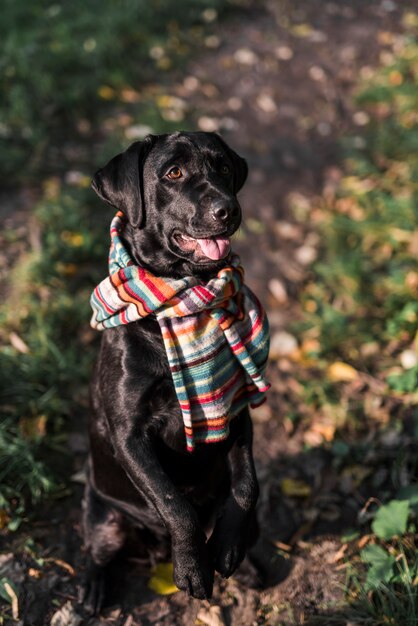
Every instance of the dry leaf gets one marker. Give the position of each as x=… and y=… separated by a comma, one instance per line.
x=341, y=372
x=66, y=616
x=161, y=581
x=211, y=616
x=62, y=564
x=337, y=556
x=18, y=343
x=320, y=430
x=33, y=427
x=282, y=344
x=13, y=598
x=295, y=488
x=282, y=546
x=4, y=519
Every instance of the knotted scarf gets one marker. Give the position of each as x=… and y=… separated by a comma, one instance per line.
x=215, y=335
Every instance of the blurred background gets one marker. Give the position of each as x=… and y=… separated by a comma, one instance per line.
x=321, y=98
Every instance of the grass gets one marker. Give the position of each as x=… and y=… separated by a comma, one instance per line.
x=64, y=66
x=44, y=383
x=359, y=356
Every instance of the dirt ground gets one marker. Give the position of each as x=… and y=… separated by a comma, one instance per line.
x=277, y=82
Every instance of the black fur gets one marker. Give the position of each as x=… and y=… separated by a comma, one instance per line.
x=140, y=473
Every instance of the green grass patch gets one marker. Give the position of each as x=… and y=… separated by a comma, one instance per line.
x=361, y=306
x=360, y=364
x=43, y=384
x=64, y=67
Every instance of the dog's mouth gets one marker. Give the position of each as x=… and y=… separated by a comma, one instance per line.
x=205, y=249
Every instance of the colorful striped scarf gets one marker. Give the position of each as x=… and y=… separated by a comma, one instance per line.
x=215, y=335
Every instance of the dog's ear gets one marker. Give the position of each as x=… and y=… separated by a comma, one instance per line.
x=120, y=182
x=239, y=164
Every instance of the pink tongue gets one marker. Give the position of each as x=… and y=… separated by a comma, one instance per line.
x=214, y=249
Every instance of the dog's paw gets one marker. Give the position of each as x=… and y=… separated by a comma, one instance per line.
x=91, y=592
x=192, y=573
x=228, y=549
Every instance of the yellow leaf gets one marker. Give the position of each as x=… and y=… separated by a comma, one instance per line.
x=356, y=474
x=324, y=428
x=67, y=269
x=161, y=581
x=301, y=30
x=33, y=427
x=341, y=372
x=395, y=78
x=295, y=488
x=106, y=92
x=73, y=239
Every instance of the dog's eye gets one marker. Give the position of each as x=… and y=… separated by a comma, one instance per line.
x=175, y=173
x=225, y=170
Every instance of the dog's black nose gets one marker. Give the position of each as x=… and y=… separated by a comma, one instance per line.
x=223, y=210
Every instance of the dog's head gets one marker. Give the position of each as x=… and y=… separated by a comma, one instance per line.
x=178, y=192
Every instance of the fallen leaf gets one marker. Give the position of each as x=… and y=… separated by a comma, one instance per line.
x=245, y=56
x=13, y=598
x=337, y=556
x=356, y=474
x=62, y=564
x=106, y=93
x=341, y=372
x=266, y=103
x=161, y=581
x=324, y=428
x=301, y=30
x=363, y=540
x=278, y=290
x=66, y=616
x=284, y=53
x=4, y=519
x=282, y=546
x=129, y=95
x=295, y=488
x=282, y=344
x=18, y=343
x=211, y=616
x=33, y=427
x=408, y=359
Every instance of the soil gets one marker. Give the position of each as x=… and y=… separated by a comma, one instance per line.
x=278, y=83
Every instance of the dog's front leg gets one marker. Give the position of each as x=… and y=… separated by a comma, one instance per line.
x=193, y=571
x=231, y=535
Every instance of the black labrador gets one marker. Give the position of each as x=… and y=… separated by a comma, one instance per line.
x=178, y=192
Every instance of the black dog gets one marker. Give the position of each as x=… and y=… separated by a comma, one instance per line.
x=175, y=191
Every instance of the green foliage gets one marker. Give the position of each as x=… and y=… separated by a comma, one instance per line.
x=391, y=519
x=381, y=565
x=362, y=315
x=40, y=390
x=389, y=588
x=361, y=304
x=62, y=65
